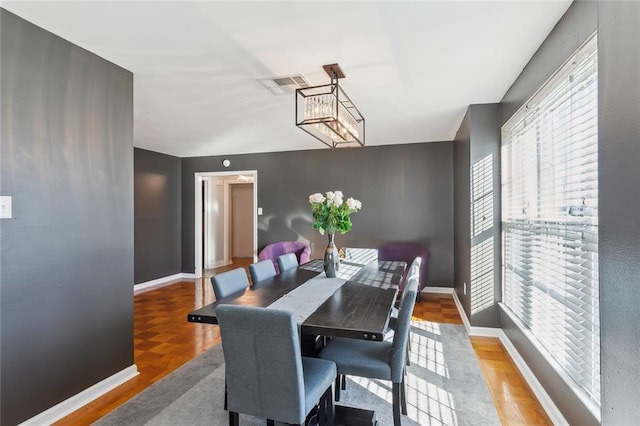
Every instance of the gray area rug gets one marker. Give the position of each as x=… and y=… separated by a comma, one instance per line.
x=445, y=386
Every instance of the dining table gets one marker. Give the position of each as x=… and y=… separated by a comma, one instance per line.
x=356, y=303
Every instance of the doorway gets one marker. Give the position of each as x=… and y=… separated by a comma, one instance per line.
x=241, y=220
x=225, y=218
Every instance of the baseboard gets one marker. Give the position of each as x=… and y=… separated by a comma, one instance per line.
x=547, y=403
x=163, y=280
x=440, y=290
x=463, y=314
x=486, y=332
x=81, y=399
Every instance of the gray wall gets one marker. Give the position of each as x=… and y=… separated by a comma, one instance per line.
x=406, y=192
x=577, y=24
x=477, y=143
x=462, y=211
x=67, y=254
x=157, y=215
x=619, y=205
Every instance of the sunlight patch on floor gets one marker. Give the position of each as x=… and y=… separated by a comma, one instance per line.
x=427, y=403
x=427, y=352
x=380, y=388
x=430, y=326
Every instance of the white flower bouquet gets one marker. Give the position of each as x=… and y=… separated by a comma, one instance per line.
x=331, y=213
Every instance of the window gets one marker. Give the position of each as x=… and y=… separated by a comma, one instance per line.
x=482, y=251
x=550, y=222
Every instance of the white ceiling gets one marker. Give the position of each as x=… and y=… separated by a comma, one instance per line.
x=412, y=68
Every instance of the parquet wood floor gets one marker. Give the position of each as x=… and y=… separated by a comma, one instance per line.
x=164, y=340
x=514, y=400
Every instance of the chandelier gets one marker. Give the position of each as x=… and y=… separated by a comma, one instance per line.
x=327, y=113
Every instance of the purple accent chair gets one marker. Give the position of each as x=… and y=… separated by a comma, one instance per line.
x=273, y=250
x=407, y=252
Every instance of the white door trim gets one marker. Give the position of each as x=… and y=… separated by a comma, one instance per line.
x=198, y=213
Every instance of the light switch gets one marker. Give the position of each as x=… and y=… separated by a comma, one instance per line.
x=259, y=211
x=5, y=207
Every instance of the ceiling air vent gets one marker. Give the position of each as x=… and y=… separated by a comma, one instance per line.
x=284, y=85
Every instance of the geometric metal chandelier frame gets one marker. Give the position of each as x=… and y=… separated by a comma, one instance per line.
x=327, y=113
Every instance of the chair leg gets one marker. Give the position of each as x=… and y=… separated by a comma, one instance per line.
x=396, y=404
x=403, y=395
x=322, y=409
x=225, y=394
x=331, y=409
x=344, y=382
x=337, y=386
x=234, y=419
x=326, y=411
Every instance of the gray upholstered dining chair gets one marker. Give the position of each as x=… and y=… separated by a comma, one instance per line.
x=378, y=360
x=266, y=375
x=229, y=282
x=407, y=252
x=261, y=270
x=287, y=261
x=414, y=271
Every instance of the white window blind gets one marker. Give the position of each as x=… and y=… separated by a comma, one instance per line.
x=482, y=251
x=550, y=221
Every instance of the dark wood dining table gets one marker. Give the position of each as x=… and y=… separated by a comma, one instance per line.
x=359, y=308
